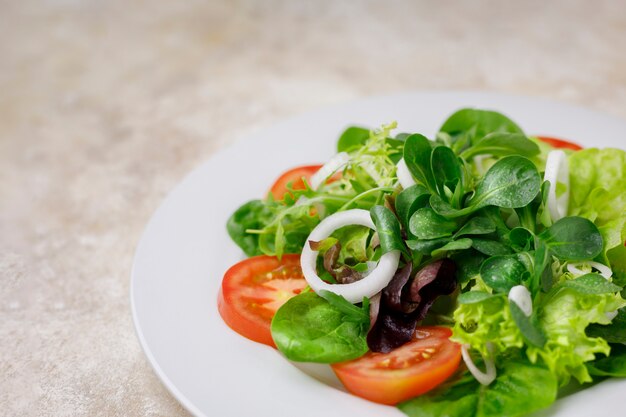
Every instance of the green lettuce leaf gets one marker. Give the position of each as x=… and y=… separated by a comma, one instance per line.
x=612, y=333
x=614, y=365
x=488, y=320
x=598, y=192
x=353, y=241
x=564, y=314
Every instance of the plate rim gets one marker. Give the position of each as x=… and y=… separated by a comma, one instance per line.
x=137, y=326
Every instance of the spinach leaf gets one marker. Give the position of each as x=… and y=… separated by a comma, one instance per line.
x=307, y=328
x=352, y=138
x=417, y=155
x=284, y=240
x=591, y=284
x=252, y=215
x=502, y=144
x=573, y=239
x=352, y=312
x=447, y=171
x=409, y=200
x=457, y=399
x=426, y=224
x=613, y=365
x=615, y=332
x=388, y=228
x=519, y=389
x=502, y=273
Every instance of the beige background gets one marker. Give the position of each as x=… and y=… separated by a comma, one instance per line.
x=104, y=106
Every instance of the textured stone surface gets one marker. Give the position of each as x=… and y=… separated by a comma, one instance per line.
x=105, y=105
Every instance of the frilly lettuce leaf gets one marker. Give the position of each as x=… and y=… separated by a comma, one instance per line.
x=564, y=314
x=485, y=321
x=598, y=192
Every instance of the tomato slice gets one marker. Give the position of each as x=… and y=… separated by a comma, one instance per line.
x=560, y=143
x=408, y=371
x=252, y=290
x=293, y=176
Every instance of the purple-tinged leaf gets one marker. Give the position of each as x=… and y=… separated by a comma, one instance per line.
x=395, y=326
x=393, y=291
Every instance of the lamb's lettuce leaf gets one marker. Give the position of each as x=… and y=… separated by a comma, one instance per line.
x=467, y=127
x=388, y=228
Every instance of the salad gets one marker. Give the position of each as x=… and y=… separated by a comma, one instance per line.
x=480, y=273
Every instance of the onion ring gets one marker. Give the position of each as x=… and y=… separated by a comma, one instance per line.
x=373, y=283
x=335, y=163
x=557, y=171
x=404, y=175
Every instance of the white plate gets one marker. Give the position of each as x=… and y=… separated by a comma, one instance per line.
x=185, y=250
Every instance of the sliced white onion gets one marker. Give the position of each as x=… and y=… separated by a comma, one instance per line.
x=521, y=297
x=374, y=282
x=335, y=163
x=404, y=175
x=604, y=270
x=484, y=378
x=557, y=171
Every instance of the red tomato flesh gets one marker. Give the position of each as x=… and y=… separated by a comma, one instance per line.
x=252, y=290
x=560, y=143
x=406, y=372
x=295, y=177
